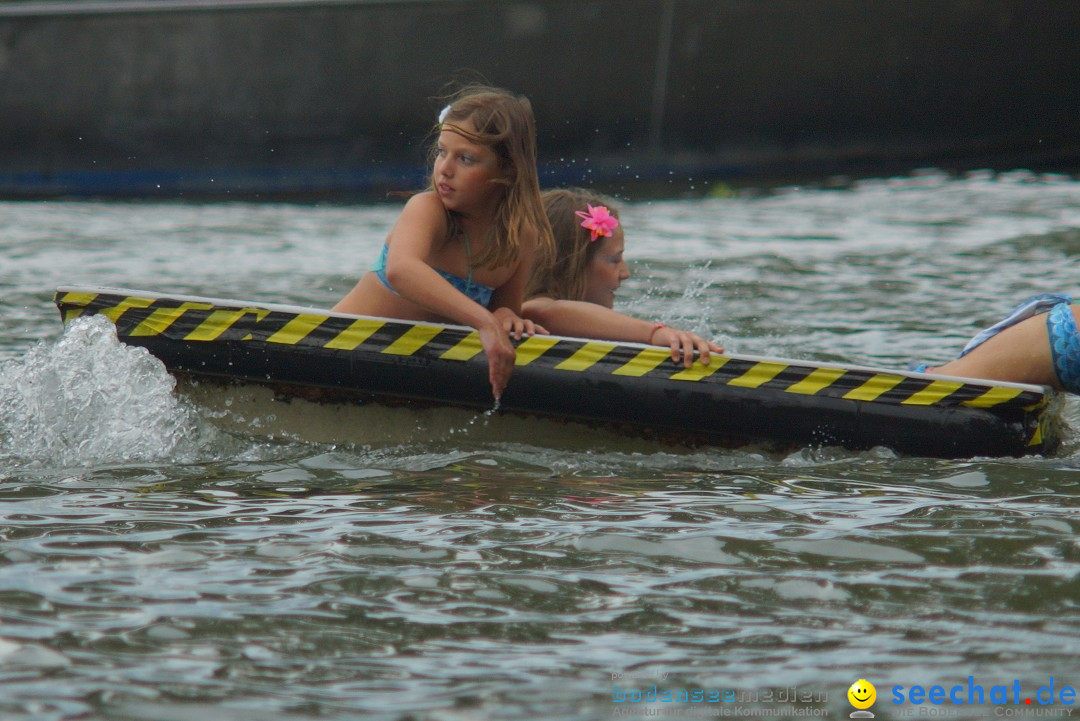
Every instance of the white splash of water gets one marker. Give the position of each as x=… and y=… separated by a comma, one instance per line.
x=88, y=399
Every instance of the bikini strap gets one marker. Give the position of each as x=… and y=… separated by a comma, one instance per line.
x=468, y=257
x=453, y=227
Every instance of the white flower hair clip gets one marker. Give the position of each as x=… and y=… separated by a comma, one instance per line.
x=443, y=113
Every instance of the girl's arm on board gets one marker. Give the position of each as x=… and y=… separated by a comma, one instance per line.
x=423, y=224
x=589, y=320
x=412, y=242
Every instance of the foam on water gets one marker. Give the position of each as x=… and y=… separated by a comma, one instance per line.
x=87, y=399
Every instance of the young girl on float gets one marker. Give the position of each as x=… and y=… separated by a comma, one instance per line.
x=462, y=250
x=574, y=293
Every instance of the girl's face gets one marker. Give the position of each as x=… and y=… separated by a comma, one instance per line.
x=463, y=172
x=606, y=270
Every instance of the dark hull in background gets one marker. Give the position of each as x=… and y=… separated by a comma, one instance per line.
x=251, y=98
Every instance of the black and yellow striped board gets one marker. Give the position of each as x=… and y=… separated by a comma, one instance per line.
x=625, y=387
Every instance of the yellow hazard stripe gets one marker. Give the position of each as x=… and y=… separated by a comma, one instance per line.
x=586, y=356
x=118, y=310
x=220, y=321
x=873, y=388
x=642, y=363
x=993, y=397
x=464, y=349
x=296, y=329
x=358, y=332
x=759, y=374
x=160, y=320
x=76, y=298
x=532, y=348
x=817, y=381
x=412, y=340
x=699, y=370
x=933, y=393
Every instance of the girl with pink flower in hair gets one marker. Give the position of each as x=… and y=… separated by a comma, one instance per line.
x=574, y=296
x=574, y=293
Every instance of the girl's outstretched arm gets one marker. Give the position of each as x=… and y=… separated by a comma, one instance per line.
x=411, y=243
x=590, y=320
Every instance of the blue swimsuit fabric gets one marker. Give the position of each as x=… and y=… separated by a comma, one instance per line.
x=1065, y=346
x=476, y=291
x=1060, y=324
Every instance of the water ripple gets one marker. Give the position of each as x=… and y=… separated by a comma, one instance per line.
x=165, y=557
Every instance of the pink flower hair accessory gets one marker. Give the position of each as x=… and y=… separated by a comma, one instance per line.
x=598, y=220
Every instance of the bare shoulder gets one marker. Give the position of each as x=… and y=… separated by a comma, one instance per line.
x=422, y=218
x=426, y=206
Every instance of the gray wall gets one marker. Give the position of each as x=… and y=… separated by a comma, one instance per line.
x=245, y=97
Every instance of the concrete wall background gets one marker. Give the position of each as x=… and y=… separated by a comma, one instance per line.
x=291, y=97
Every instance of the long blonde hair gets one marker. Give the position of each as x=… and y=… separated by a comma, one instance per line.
x=504, y=122
x=562, y=277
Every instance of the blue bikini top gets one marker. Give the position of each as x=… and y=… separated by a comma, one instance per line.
x=476, y=291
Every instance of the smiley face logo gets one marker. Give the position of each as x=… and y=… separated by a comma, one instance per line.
x=862, y=694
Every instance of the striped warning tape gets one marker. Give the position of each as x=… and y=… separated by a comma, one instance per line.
x=209, y=320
